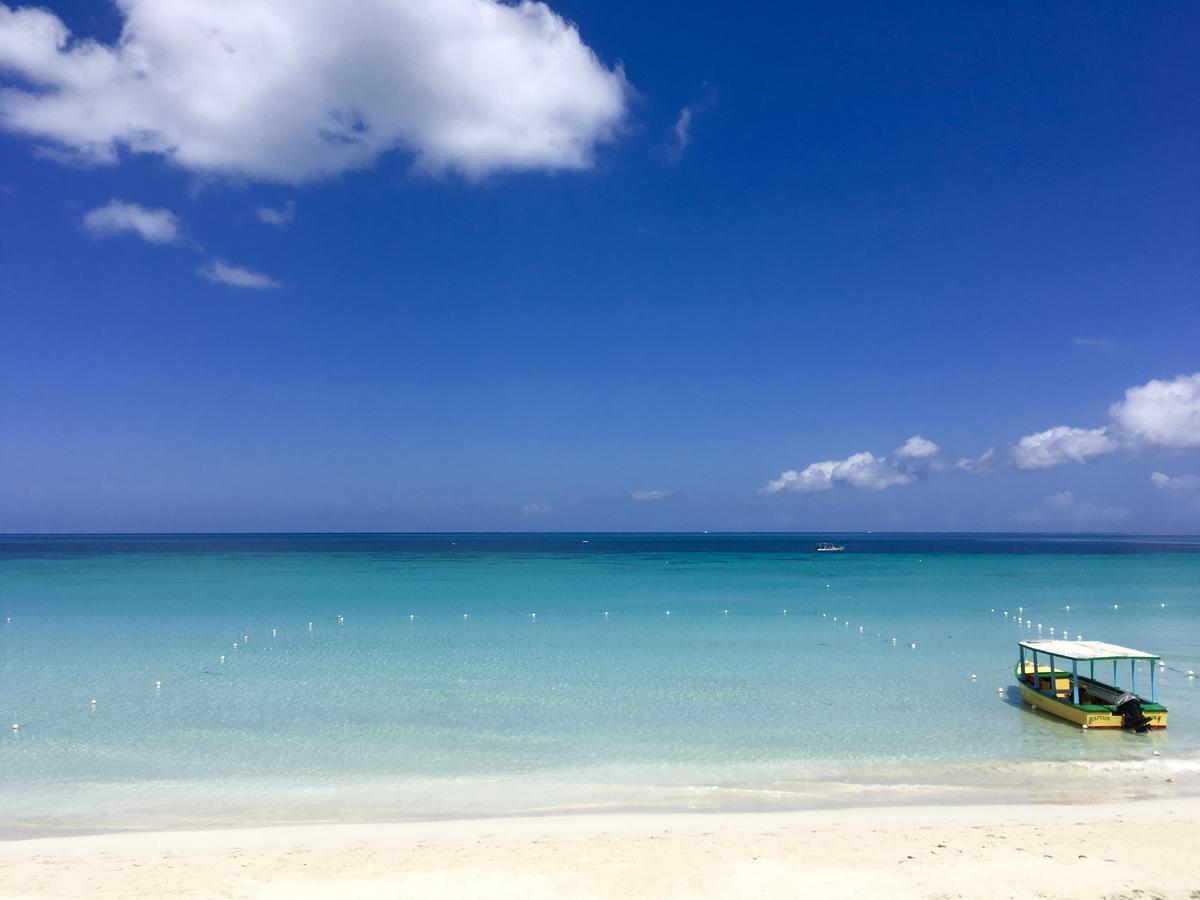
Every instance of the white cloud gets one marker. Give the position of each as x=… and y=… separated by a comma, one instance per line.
x=272, y=216
x=1094, y=343
x=1063, y=500
x=979, y=465
x=917, y=447
x=644, y=495
x=296, y=90
x=535, y=509
x=1183, y=484
x=1062, y=444
x=864, y=471
x=158, y=226
x=1161, y=413
x=681, y=132
x=222, y=273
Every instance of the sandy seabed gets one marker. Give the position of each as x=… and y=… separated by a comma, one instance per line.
x=1140, y=850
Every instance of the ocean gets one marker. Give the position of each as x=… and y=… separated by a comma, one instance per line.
x=254, y=679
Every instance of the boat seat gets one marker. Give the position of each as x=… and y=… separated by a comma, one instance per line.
x=1103, y=694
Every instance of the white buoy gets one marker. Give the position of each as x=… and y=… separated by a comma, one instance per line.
x=668, y=612
x=412, y=617
x=93, y=703
x=1084, y=726
x=235, y=645
x=8, y=620
x=310, y=626
x=1020, y=609
x=606, y=615
x=1156, y=753
x=972, y=677
x=16, y=727
x=999, y=690
x=835, y=618
x=826, y=585
x=1052, y=631
x=913, y=646
x=222, y=659
x=785, y=612
x=274, y=632
x=1006, y=614
x=1116, y=606
x=1191, y=674
x=341, y=618
x=893, y=642
x=725, y=613
x=824, y=615
x=1162, y=606
x=1079, y=637
x=860, y=629
x=993, y=611
x=157, y=685
x=1068, y=609
x=533, y=616
x=465, y=616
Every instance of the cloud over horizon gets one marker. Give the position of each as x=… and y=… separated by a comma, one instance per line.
x=864, y=471
x=1183, y=484
x=642, y=496
x=1061, y=444
x=1065, y=507
x=1162, y=413
x=293, y=91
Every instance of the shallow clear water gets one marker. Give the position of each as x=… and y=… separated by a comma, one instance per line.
x=385, y=716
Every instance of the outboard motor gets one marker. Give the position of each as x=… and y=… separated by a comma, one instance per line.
x=1129, y=708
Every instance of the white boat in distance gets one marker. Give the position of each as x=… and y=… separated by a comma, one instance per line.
x=829, y=548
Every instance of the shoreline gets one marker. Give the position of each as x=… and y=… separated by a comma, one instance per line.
x=1083, y=785
x=906, y=850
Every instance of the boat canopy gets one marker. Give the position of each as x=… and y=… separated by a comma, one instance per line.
x=1086, y=650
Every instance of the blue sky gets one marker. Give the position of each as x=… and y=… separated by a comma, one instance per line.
x=673, y=253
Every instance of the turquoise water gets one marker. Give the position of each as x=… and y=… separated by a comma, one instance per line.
x=479, y=675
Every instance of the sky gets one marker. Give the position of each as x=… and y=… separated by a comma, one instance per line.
x=404, y=265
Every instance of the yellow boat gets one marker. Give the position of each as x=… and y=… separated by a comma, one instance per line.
x=1052, y=677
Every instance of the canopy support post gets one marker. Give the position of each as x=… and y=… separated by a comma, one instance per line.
x=1075, y=682
x=1153, y=683
x=1133, y=676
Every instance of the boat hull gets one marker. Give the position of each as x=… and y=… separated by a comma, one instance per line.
x=1093, y=716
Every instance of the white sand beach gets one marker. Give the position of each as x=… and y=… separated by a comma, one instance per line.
x=1140, y=849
